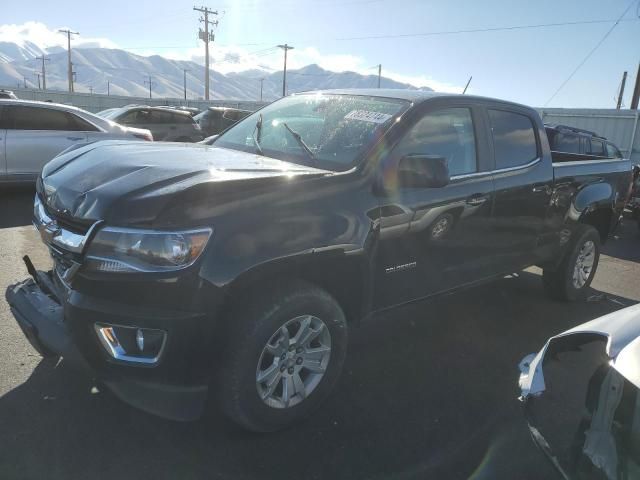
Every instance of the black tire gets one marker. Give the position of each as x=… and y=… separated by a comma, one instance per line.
x=253, y=326
x=558, y=282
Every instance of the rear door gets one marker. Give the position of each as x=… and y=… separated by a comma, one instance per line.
x=34, y=136
x=523, y=179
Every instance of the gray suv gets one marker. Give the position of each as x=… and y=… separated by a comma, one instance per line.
x=165, y=124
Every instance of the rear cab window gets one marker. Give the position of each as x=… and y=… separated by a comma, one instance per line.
x=514, y=138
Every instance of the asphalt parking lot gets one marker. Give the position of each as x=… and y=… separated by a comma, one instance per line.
x=428, y=391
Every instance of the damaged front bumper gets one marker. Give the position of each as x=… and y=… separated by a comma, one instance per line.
x=38, y=306
x=41, y=319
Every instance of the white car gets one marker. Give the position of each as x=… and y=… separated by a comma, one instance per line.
x=32, y=133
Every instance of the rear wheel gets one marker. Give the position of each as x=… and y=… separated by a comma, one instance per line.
x=284, y=355
x=572, y=278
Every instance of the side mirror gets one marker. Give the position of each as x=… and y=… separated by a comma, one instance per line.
x=423, y=171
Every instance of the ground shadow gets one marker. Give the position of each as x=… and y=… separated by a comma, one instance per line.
x=428, y=391
x=625, y=242
x=16, y=206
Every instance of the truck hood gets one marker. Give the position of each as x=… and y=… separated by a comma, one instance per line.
x=133, y=182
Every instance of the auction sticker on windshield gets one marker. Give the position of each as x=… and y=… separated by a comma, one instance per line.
x=367, y=116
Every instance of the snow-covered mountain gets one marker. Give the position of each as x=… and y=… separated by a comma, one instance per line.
x=129, y=74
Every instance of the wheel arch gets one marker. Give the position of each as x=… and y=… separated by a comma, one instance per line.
x=346, y=277
x=595, y=206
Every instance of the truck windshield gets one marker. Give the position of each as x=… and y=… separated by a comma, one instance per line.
x=337, y=129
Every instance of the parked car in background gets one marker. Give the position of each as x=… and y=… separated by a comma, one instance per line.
x=634, y=200
x=32, y=133
x=215, y=120
x=581, y=395
x=8, y=94
x=568, y=142
x=165, y=124
x=240, y=265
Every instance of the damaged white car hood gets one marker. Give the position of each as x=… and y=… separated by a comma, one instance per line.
x=622, y=331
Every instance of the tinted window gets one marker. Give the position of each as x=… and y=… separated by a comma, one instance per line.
x=612, y=151
x=597, y=148
x=37, y=118
x=514, y=139
x=184, y=119
x=80, y=124
x=447, y=133
x=566, y=142
x=158, y=116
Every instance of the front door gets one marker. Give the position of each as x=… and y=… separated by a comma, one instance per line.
x=434, y=239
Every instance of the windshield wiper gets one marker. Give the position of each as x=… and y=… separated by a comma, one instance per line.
x=301, y=142
x=257, y=131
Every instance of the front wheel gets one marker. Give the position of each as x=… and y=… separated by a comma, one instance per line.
x=572, y=278
x=284, y=355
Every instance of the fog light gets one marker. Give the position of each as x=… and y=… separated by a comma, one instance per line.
x=131, y=344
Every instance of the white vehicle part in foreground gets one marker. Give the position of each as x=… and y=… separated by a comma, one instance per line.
x=622, y=331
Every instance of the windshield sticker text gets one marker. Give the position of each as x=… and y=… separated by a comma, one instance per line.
x=367, y=116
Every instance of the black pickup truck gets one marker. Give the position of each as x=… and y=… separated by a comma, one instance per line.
x=187, y=273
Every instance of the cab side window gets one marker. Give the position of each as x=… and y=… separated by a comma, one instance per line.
x=514, y=139
x=445, y=133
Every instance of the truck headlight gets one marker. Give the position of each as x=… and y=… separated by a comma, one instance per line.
x=121, y=250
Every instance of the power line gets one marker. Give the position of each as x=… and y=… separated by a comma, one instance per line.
x=479, y=30
x=593, y=50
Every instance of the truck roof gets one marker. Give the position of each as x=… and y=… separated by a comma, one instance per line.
x=415, y=96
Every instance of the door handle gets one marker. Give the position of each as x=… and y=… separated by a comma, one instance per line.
x=541, y=189
x=476, y=200
x=75, y=139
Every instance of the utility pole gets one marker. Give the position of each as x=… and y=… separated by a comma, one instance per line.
x=206, y=37
x=379, y=74
x=38, y=75
x=286, y=48
x=150, y=83
x=261, y=83
x=69, y=68
x=24, y=79
x=90, y=89
x=108, y=87
x=184, y=71
x=624, y=80
x=467, y=85
x=74, y=76
x=44, y=74
x=636, y=91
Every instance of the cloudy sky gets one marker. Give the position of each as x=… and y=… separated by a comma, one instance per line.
x=434, y=43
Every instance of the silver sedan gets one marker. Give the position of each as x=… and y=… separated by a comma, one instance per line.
x=32, y=133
